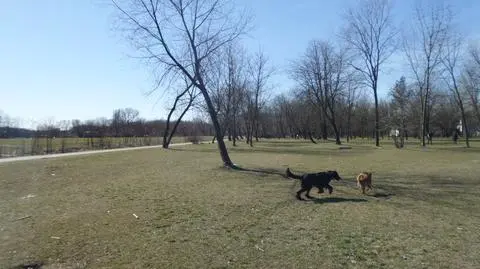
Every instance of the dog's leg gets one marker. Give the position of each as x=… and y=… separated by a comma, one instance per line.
x=363, y=189
x=330, y=189
x=300, y=192
x=308, y=193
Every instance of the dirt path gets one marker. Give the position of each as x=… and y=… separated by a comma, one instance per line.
x=56, y=155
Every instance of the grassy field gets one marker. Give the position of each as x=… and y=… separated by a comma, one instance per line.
x=77, y=212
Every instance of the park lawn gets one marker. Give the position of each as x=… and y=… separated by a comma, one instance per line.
x=77, y=212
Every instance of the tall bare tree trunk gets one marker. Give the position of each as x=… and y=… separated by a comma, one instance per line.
x=234, y=134
x=166, y=141
x=174, y=129
x=324, y=128
x=464, y=122
x=167, y=138
x=335, y=128
x=402, y=131
x=425, y=110
x=475, y=107
x=255, y=122
x=349, y=122
x=337, y=134
x=218, y=131
x=377, y=117
x=462, y=110
x=311, y=138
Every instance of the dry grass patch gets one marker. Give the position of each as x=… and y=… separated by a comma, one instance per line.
x=77, y=212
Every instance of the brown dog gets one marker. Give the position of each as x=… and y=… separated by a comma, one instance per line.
x=364, y=180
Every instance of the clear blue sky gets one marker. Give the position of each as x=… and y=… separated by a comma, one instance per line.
x=61, y=59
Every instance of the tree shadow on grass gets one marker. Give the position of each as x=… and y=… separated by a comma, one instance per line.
x=301, y=150
x=261, y=171
x=381, y=195
x=337, y=200
x=35, y=265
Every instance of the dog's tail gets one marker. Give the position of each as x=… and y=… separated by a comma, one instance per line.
x=290, y=174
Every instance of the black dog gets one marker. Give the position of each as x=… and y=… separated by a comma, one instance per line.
x=320, y=180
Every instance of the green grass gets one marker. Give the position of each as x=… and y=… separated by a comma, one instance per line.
x=423, y=213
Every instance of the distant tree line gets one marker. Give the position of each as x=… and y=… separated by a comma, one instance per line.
x=294, y=115
x=12, y=132
x=124, y=123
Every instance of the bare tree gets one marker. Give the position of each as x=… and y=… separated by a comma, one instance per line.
x=182, y=37
x=64, y=126
x=228, y=84
x=322, y=75
x=238, y=101
x=291, y=111
x=279, y=105
x=117, y=122
x=474, y=51
x=50, y=130
x=471, y=78
x=451, y=60
x=371, y=36
x=424, y=49
x=352, y=92
x=260, y=73
x=191, y=94
x=299, y=112
x=248, y=110
x=122, y=121
x=217, y=93
x=400, y=104
x=234, y=88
